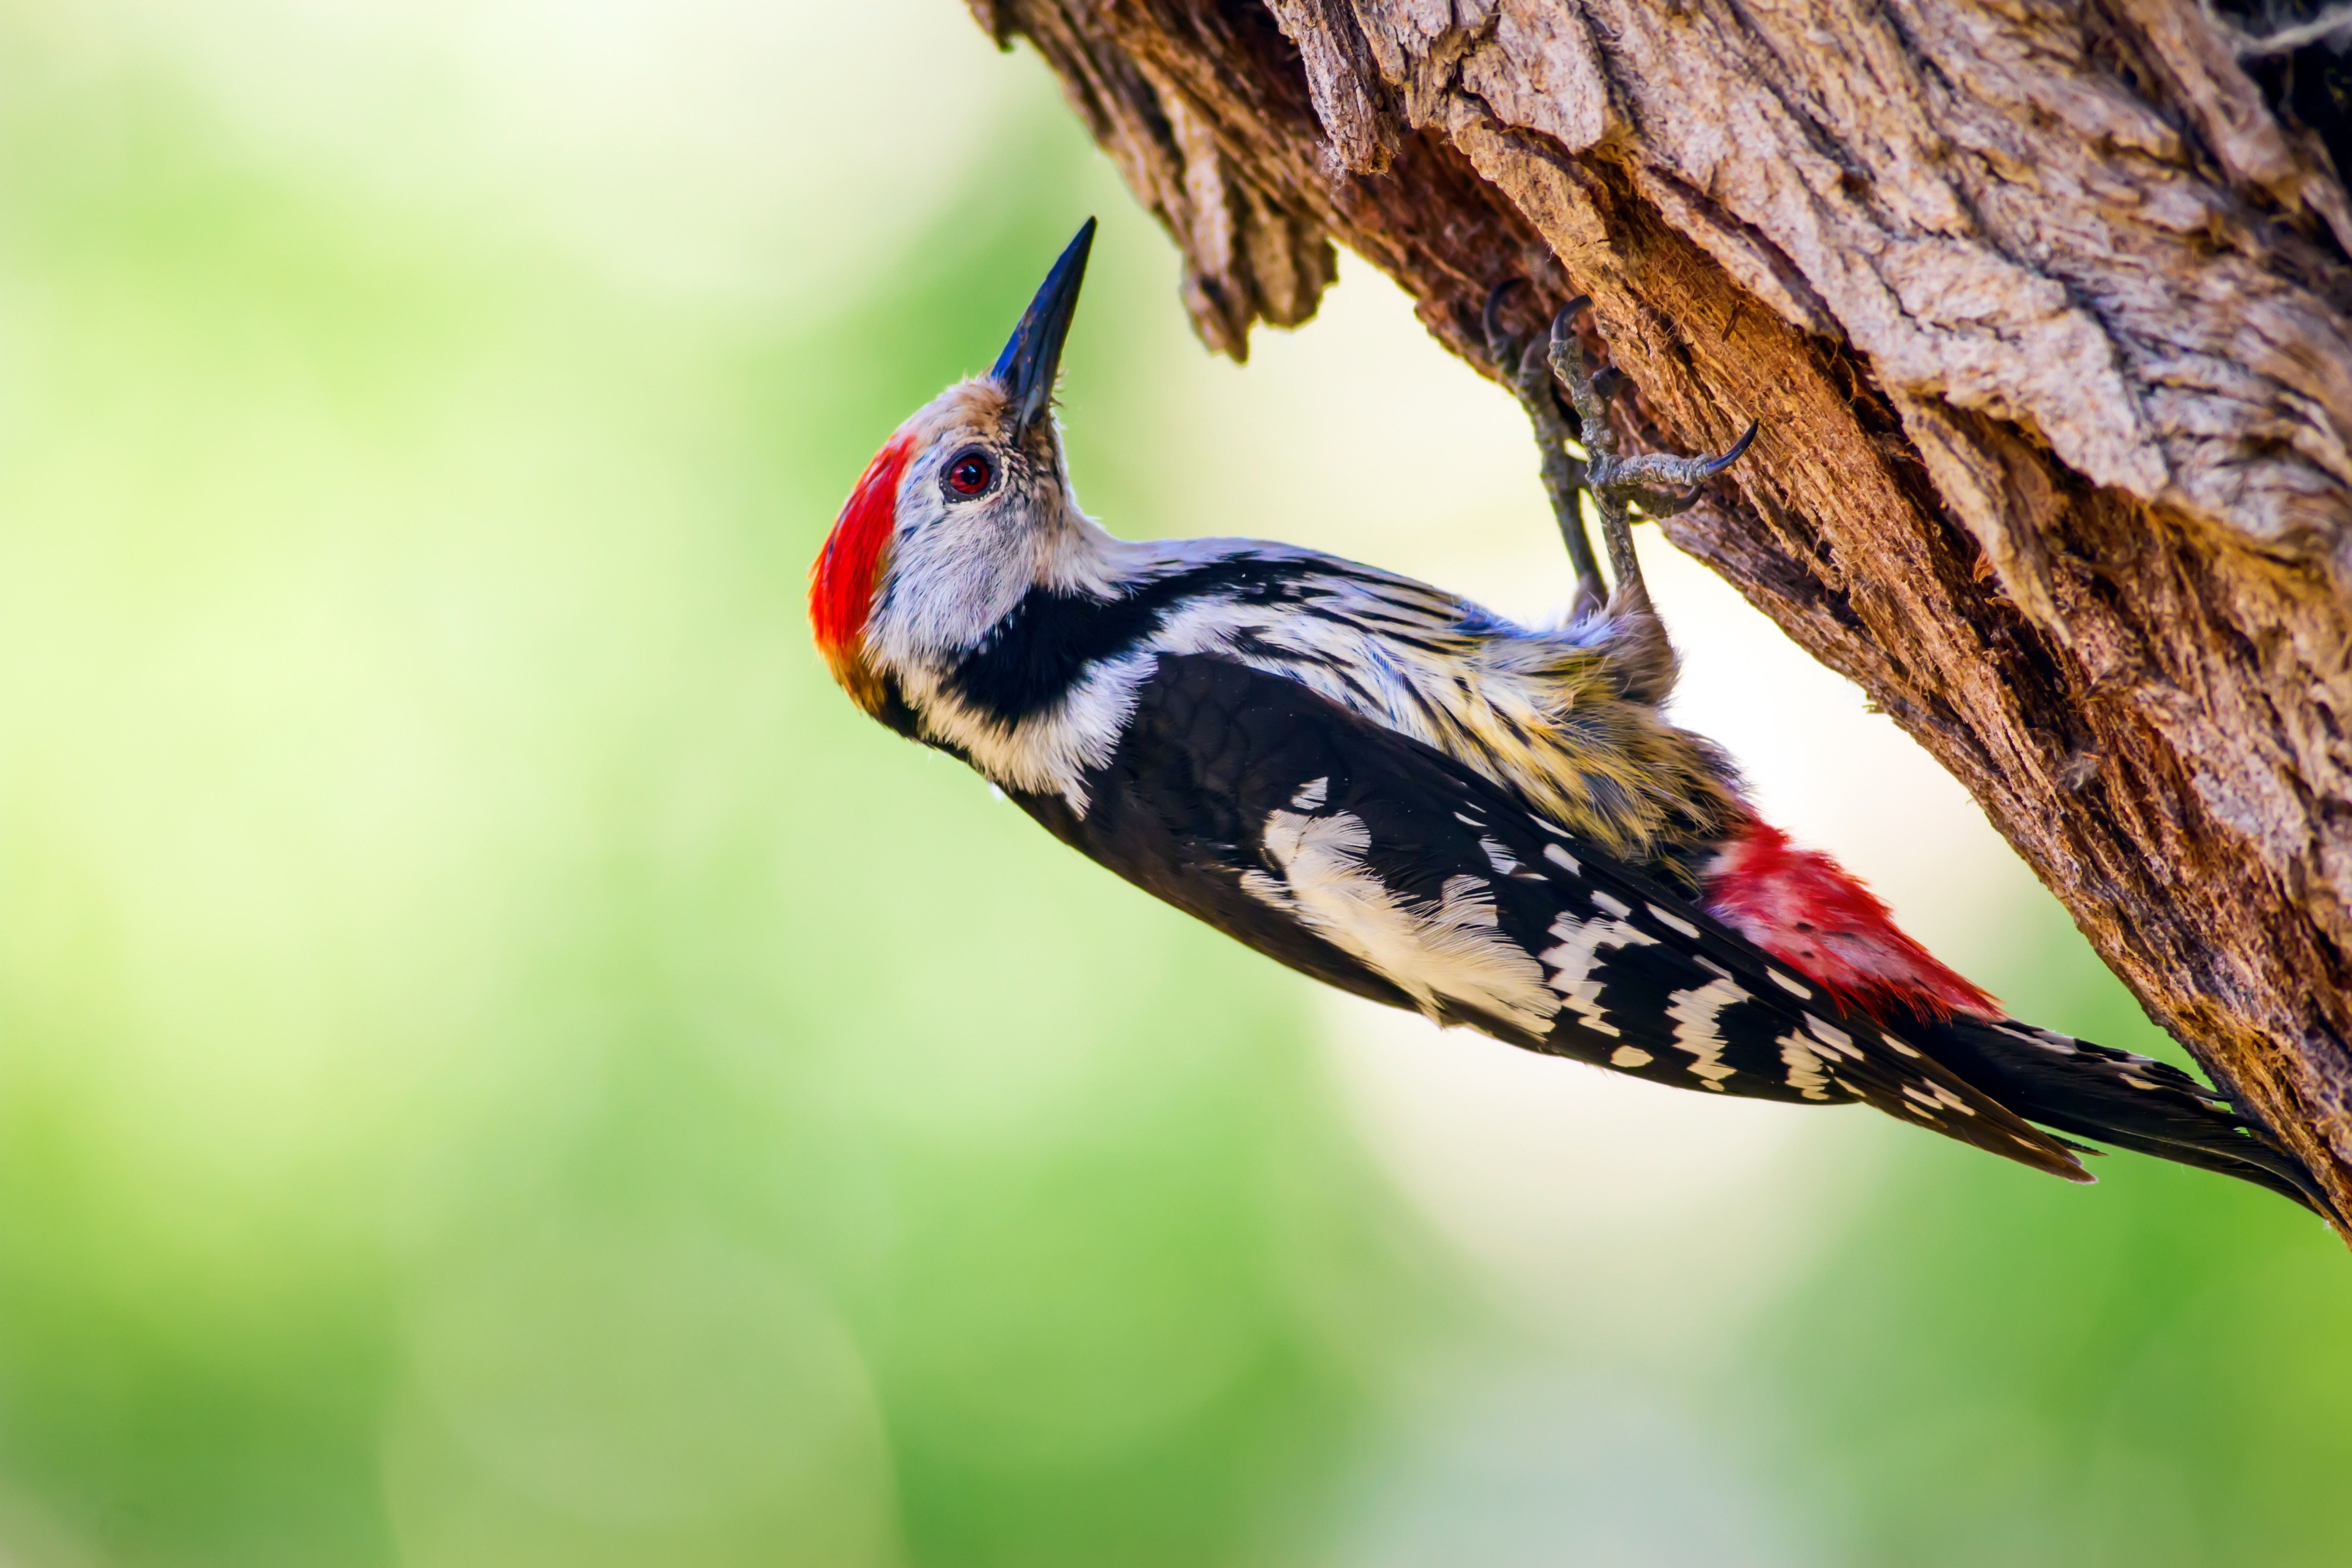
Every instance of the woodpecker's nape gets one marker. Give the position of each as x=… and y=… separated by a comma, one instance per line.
x=1412, y=798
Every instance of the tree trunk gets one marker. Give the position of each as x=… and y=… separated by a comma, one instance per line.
x=2047, y=317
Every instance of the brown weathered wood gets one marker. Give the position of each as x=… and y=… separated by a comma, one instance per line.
x=2048, y=325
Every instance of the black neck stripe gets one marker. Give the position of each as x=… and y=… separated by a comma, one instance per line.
x=1047, y=642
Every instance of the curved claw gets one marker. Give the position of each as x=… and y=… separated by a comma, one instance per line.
x=1696, y=472
x=1643, y=480
x=1563, y=325
x=1715, y=466
x=1490, y=320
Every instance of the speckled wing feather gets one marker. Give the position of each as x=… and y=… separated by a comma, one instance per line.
x=1375, y=863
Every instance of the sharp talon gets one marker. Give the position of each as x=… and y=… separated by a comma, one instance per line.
x=1609, y=382
x=1563, y=325
x=1490, y=320
x=1717, y=465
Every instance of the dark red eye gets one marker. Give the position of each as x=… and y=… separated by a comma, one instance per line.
x=970, y=474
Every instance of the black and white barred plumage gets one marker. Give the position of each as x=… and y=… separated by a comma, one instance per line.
x=1422, y=802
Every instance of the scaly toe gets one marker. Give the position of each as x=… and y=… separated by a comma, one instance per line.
x=1567, y=356
x=1647, y=476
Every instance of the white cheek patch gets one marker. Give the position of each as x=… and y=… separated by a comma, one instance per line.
x=1449, y=947
x=953, y=573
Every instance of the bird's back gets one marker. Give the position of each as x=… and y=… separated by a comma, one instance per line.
x=1565, y=718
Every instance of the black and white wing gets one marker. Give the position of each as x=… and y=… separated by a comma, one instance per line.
x=1377, y=864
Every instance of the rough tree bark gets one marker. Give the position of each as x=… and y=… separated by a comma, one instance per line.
x=2047, y=318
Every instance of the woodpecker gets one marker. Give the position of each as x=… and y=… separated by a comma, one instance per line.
x=1409, y=798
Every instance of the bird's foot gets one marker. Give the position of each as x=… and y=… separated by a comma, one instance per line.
x=1526, y=366
x=1660, y=483
x=1651, y=479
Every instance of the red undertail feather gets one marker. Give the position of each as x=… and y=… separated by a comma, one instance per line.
x=1808, y=911
x=841, y=581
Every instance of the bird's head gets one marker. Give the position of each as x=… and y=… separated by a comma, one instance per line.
x=965, y=509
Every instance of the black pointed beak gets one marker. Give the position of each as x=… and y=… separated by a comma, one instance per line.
x=1033, y=353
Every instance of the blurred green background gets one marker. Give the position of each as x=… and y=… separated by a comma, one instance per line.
x=500, y=1064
